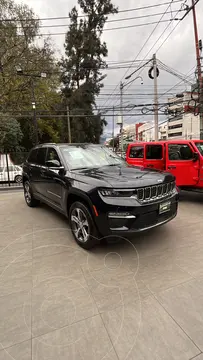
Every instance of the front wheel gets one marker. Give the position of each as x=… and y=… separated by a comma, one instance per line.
x=29, y=198
x=82, y=226
x=18, y=179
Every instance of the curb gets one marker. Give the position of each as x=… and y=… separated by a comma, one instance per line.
x=11, y=188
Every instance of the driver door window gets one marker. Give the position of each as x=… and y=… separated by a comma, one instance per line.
x=179, y=152
x=54, y=183
x=52, y=155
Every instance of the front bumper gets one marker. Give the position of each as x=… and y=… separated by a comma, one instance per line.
x=138, y=218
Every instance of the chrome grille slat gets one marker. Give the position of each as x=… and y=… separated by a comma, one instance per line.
x=151, y=193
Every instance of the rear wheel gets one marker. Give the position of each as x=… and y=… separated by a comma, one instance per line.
x=29, y=198
x=82, y=226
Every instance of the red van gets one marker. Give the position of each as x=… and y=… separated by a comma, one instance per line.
x=182, y=158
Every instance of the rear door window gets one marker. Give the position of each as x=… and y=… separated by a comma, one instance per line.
x=136, y=152
x=154, y=152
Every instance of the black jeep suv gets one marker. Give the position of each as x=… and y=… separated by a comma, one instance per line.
x=99, y=193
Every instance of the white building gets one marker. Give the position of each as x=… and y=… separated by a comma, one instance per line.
x=146, y=132
x=163, y=131
x=182, y=123
x=129, y=132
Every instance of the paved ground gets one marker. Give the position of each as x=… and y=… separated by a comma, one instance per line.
x=130, y=301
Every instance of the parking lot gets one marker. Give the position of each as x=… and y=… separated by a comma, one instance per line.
x=138, y=300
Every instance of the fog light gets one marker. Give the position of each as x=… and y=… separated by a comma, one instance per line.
x=121, y=215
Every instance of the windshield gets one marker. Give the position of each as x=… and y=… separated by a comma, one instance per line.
x=199, y=145
x=87, y=157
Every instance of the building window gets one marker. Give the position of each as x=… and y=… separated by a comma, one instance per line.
x=175, y=134
x=175, y=126
x=154, y=152
x=179, y=152
x=137, y=152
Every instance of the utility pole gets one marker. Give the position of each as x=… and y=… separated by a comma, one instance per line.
x=34, y=111
x=121, y=114
x=199, y=70
x=156, y=117
x=113, y=120
x=68, y=123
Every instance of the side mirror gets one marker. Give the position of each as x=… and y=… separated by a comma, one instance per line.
x=195, y=156
x=54, y=164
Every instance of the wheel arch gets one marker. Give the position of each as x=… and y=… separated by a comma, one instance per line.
x=25, y=178
x=81, y=197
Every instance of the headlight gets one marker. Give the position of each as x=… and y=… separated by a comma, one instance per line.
x=116, y=193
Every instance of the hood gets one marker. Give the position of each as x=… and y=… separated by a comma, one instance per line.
x=124, y=176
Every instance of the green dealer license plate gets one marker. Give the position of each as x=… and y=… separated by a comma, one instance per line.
x=164, y=207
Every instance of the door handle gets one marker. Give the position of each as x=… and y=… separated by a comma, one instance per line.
x=171, y=167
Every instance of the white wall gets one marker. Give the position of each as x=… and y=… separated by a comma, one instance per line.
x=191, y=126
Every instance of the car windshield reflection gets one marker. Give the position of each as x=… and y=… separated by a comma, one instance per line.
x=90, y=157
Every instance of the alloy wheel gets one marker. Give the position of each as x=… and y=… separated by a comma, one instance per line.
x=18, y=179
x=80, y=225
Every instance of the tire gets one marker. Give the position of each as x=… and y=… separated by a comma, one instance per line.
x=29, y=198
x=18, y=179
x=82, y=226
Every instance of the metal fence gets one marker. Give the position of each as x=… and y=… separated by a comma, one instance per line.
x=11, y=169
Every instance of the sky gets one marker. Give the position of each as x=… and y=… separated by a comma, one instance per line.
x=177, y=50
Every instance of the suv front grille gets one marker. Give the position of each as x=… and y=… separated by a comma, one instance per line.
x=155, y=192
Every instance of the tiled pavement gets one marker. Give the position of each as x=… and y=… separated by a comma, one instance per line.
x=138, y=300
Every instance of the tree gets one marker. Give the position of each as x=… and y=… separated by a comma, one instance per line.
x=10, y=134
x=81, y=67
x=18, y=29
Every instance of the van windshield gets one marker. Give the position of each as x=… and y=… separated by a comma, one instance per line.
x=199, y=145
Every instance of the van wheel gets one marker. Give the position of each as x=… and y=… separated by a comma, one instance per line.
x=82, y=226
x=29, y=198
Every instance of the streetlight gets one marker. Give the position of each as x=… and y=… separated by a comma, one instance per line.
x=32, y=77
x=122, y=86
x=138, y=77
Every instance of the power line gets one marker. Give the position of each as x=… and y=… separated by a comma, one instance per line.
x=107, y=21
x=168, y=36
x=133, y=94
x=177, y=83
x=108, y=29
x=173, y=72
x=80, y=115
x=175, y=27
x=169, y=4
x=83, y=16
x=163, y=32
x=173, y=87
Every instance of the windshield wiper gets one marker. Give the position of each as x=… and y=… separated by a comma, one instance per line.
x=114, y=165
x=81, y=168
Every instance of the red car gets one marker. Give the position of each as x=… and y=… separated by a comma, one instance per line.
x=182, y=158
